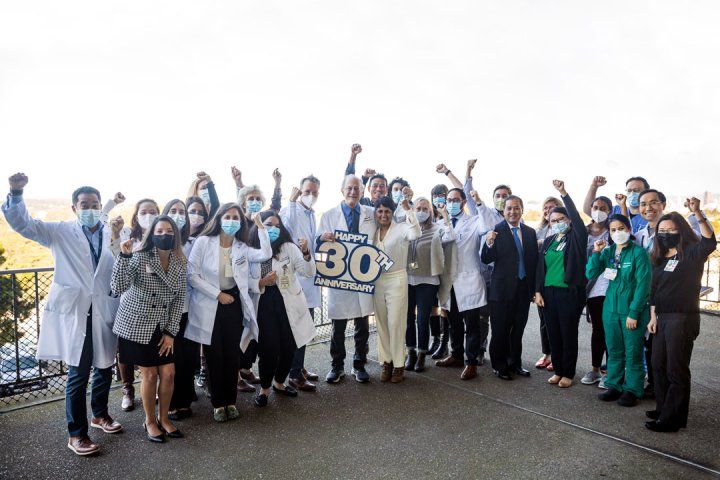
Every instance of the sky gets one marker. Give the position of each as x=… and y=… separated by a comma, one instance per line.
x=137, y=96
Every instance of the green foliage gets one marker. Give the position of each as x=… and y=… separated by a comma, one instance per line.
x=16, y=301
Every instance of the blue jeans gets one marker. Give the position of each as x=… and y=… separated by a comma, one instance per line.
x=424, y=297
x=76, y=388
x=298, y=362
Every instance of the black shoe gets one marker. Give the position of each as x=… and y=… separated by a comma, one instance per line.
x=260, y=400
x=434, y=345
x=420, y=364
x=361, y=376
x=441, y=351
x=627, y=399
x=610, y=395
x=520, y=371
x=156, y=439
x=649, y=392
x=503, y=375
x=656, y=426
x=335, y=375
x=180, y=414
x=410, y=360
x=174, y=434
x=652, y=414
x=288, y=391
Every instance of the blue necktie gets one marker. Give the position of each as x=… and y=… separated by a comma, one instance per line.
x=521, y=256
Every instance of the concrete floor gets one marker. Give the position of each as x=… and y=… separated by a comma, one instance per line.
x=432, y=426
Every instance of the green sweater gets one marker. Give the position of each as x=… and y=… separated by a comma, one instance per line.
x=629, y=293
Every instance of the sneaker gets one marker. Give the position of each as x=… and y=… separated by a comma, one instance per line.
x=128, y=400
x=601, y=383
x=361, y=375
x=591, y=378
x=335, y=375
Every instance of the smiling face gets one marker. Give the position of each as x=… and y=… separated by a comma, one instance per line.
x=513, y=211
x=651, y=208
x=383, y=216
x=377, y=188
x=351, y=191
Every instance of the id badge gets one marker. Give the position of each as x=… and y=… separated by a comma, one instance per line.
x=284, y=281
x=671, y=265
x=610, y=273
x=228, y=271
x=413, y=265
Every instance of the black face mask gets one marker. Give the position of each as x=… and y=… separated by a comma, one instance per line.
x=669, y=240
x=164, y=242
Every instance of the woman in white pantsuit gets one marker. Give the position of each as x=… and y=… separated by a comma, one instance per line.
x=391, y=289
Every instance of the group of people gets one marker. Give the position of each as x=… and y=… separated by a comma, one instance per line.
x=209, y=289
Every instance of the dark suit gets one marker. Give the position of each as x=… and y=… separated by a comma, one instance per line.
x=508, y=295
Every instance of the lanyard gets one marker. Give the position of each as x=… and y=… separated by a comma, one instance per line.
x=96, y=255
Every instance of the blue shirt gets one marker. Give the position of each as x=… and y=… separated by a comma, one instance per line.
x=347, y=212
x=94, y=238
x=637, y=221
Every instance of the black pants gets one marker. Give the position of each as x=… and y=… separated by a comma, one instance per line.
x=672, y=350
x=648, y=360
x=223, y=353
x=470, y=326
x=337, y=344
x=249, y=356
x=421, y=298
x=508, y=320
x=544, y=339
x=276, y=344
x=187, y=360
x=562, y=317
x=597, y=339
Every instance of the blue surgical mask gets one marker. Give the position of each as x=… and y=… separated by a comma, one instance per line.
x=634, y=199
x=438, y=201
x=273, y=233
x=559, y=227
x=89, y=218
x=230, y=227
x=397, y=196
x=453, y=208
x=178, y=219
x=254, y=206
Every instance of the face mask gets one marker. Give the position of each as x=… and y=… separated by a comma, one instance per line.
x=437, y=201
x=178, y=219
x=196, y=220
x=453, y=208
x=204, y=195
x=422, y=216
x=254, y=206
x=397, y=196
x=634, y=199
x=620, y=237
x=89, y=218
x=500, y=204
x=146, y=220
x=273, y=233
x=560, y=227
x=230, y=227
x=163, y=242
x=308, y=200
x=668, y=240
x=599, y=216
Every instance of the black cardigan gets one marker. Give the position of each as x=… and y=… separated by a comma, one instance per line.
x=575, y=252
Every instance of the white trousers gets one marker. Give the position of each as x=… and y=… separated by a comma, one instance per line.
x=391, y=304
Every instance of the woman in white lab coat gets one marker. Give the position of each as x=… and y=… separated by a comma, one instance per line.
x=221, y=314
x=284, y=320
x=390, y=298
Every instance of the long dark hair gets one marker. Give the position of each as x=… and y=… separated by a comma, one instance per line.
x=185, y=230
x=214, y=226
x=687, y=238
x=284, y=236
x=191, y=200
x=148, y=245
x=135, y=228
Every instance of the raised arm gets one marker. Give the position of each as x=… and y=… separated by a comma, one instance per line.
x=124, y=270
x=275, y=203
x=354, y=151
x=575, y=218
x=596, y=183
x=19, y=219
x=413, y=230
x=706, y=229
x=265, y=251
x=596, y=262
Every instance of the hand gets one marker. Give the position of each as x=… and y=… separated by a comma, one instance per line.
x=166, y=345
x=203, y=176
x=407, y=193
x=118, y=198
x=442, y=210
x=18, y=181
x=599, y=245
x=303, y=244
x=237, y=176
x=539, y=301
x=295, y=194
x=442, y=169
x=355, y=149
x=258, y=222
x=490, y=238
x=277, y=177
x=693, y=204
x=652, y=326
x=631, y=323
x=369, y=172
x=598, y=182
x=269, y=279
x=328, y=237
x=470, y=166
x=405, y=204
x=116, y=225
x=560, y=187
x=126, y=247
x=225, y=298
x=475, y=196
x=620, y=198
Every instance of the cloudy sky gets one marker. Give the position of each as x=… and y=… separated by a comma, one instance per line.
x=138, y=95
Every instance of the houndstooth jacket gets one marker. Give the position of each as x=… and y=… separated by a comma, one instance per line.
x=154, y=297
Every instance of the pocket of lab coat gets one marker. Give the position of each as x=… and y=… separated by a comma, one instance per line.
x=62, y=299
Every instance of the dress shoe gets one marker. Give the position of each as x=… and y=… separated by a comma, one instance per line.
x=543, y=362
x=550, y=367
x=450, y=361
x=180, y=414
x=627, y=399
x=386, y=372
x=469, y=372
x=397, y=375
x=244, y=386
x=610, y=395
x=154, y=438
x=232, y=412
x=83, y=446
x=249, y=377
x=656, y=426
x=312, y=376
x=441, y=350
x=420, y=363
x=106, y=424
x=302, y=384
x=335, y=375
x=171, y=434
x=288, y=391
x=520, y=371
x=652, y=414
x=502, y=375
x=261, y=400
x=128, y=399
x=361, y=375
x=410, y=360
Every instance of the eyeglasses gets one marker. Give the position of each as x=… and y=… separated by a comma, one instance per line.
x=651, y=203
x=352, y=189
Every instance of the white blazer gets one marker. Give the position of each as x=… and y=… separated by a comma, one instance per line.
x=397, y=240
x=203, y=277
x=290, y=262
x=300, y=222
x=343, y=304
x=74, y=289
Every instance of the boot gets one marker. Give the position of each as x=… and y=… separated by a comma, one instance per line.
x=441, y=351
x=420, y=364
x=410, y=360
x=434, y=344
x=397, y=375
x=386, y=372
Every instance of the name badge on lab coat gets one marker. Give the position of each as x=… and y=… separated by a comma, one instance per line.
x=284, y=280
x=610, y=273
x=671, y=265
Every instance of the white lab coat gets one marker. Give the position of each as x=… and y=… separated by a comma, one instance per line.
x=343, y=304
x=290, y=261
x=300, y=222
x=203, y=277
x=75, y=288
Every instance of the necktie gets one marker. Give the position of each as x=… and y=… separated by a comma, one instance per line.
x=521, y=256
x=454, y=221
x=355, y=228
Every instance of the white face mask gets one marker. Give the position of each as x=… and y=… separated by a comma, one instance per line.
x=422, y=216
x=308, y=200
x=195, y=219
x=620, y=237
x=146, y=220
x=599, y=216
x=178, y=219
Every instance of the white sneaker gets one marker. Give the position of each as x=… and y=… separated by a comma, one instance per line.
x=602, y=382
x=591, y=378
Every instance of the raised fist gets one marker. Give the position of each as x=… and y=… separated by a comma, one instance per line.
x=490, y=238
x=599, y=181
x=599, y=245
x=18, y=181
x=441, y=168
x=118, y=198
x=126, y=247
x=356, y=148
x=295, y=194
x=237, y=176
x=116, y=224
x=559, y=186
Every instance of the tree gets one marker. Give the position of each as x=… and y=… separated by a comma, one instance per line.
x=15, y=302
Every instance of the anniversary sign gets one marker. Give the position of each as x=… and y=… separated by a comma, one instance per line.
x=350, y=263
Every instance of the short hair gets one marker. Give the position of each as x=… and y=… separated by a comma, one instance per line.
x=399, y=180
x=660, y=195
x=87, y=190
x=515, y=197
x=350, y=177
x=310, y=178
x=502, y=186
x=639, y=179
x=377, y=175
x=386, y=202
x=243, y=194
x=605, y=200
x=462, y=193
x=439, y=189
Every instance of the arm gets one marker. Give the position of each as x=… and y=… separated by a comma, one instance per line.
x=448, y=233
x=123, y=274
x=596, y=183
x=643, y=275
x=19, y=219
x=413, y=230
x=303, y=267
x=265, y=251
x=706, y=229
x=214, y=200
x=488, y=253
x=194, y=270
x=277, y=192
x=354, y=150
x=288, y=214
x=595, y=265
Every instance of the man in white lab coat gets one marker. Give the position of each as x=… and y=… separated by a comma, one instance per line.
x=76, y=323
x=345, y=305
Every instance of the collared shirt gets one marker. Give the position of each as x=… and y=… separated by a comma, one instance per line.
x=348, y=213
x=94, y=238
x=519, y=230
x=645, y=237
